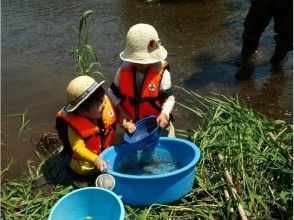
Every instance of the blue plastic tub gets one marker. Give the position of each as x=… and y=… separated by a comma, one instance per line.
x=161, y=186
x=88, y=203
x=146, y=135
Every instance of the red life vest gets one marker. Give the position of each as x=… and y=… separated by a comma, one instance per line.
x=96, y=137
x=143, y=103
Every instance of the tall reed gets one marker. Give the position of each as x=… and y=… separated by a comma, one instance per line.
x=256, y=151
x=86, y=59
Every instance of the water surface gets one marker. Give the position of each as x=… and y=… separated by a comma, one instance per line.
x=146, y=162
x=202, y=37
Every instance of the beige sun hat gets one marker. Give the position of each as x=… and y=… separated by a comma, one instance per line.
x=143, y=45
x=78, y=90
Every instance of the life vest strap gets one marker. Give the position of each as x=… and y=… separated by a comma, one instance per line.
x=163, y=95
x=99, y=133
x=61, y=127
x=154, y=104
x=152, y=100
x=115, y=90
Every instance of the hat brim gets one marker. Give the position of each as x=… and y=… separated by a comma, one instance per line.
x=70, y=108
x=145, y=57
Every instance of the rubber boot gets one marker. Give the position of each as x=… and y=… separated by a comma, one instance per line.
x=278, y=58
x=248, y=52
x=249, y=47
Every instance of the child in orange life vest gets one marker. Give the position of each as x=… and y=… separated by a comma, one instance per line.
x=142, y=85
x=86, y=125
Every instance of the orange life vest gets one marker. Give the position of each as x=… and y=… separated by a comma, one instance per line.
x=140, y=104
x=96, y=137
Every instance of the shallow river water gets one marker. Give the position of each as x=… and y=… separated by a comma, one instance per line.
x=202, y=37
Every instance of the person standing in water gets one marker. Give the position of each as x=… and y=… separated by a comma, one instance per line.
x=258, y=18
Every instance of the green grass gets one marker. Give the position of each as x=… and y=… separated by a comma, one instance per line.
x=85, y=56
x=257, y=153
x=246, y=164
x=20, y=199
x=24, y=120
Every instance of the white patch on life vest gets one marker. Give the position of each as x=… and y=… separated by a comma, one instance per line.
x=152, y=87
x=110, y=113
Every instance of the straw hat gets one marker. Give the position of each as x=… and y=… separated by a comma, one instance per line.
x=78, y=90
x=143, y=45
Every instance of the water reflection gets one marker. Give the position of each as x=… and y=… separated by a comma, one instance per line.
x=267, y=98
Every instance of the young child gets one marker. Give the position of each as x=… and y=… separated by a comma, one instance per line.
x=86, y=125
x=142, y=85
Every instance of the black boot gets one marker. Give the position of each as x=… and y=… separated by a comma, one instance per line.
x=277, y=61
x=249, y=47
x=248, y=54
x=278, y=58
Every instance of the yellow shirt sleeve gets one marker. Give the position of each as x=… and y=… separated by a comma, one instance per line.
x=79, y=147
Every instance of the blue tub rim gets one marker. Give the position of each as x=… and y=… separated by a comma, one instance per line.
x=159, y=176
x=118, y=198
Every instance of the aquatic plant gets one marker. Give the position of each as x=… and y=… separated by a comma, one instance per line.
x=24, y=120
x=85, y=55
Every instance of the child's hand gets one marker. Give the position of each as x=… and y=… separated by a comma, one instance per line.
x=124, y=120
x=162, y=120
x=100, y=164
x=129, y=126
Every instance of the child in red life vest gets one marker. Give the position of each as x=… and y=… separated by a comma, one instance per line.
x=142, y=85
x=86, y=125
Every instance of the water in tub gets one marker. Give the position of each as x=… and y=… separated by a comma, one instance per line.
x=146, y=162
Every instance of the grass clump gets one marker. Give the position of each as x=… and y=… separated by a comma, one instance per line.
x=245, y=170
x=23, y=198
x=254, y=151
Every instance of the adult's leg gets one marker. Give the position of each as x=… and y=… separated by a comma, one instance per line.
x=283, y=27
x=257, y=19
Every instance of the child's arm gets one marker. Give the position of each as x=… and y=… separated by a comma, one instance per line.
x=169, y=99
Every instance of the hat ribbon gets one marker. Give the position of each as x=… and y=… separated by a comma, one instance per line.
x=84, y=94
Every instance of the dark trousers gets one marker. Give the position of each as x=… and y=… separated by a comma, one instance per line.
x=258, y=18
